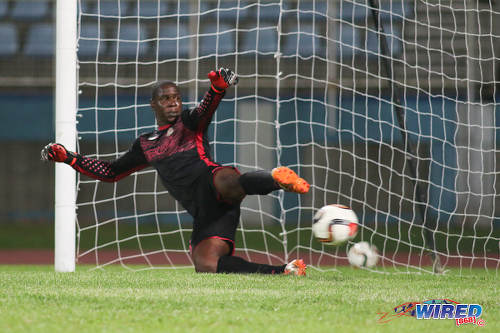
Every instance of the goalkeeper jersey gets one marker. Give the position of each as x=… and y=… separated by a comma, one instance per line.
x=179, y=152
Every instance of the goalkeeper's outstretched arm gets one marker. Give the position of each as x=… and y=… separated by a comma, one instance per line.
x=199, y=118
x=108, y=171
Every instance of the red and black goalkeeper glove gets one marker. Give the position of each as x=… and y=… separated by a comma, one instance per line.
x=222, y=79
x=58, y=153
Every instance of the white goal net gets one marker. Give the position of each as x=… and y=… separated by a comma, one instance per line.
x=388, y=107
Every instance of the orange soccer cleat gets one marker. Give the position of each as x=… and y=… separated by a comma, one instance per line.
x=296, y=267
x=289, y=181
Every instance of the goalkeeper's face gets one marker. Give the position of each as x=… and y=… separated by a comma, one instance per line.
x=167, y=105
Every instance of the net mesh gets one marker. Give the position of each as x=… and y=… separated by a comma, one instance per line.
x=395, y=119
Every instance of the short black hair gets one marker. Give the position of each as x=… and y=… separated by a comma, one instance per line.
x=157, y=86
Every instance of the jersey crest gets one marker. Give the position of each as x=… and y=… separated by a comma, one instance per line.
x=153, y=136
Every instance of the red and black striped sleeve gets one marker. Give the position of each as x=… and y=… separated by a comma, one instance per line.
x=112, y=171
x=199, y=118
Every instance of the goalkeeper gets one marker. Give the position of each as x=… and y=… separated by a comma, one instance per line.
x=210, y=192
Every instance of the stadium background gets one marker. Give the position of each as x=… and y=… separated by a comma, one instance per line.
x=27, y=100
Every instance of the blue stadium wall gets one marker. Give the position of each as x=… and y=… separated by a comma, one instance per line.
x=29, y=120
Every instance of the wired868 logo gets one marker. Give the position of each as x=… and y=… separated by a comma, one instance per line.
x=437, y=309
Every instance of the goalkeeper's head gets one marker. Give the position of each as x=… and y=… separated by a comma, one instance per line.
x=166, y=102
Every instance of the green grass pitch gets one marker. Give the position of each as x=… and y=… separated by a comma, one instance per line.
x=36, y=299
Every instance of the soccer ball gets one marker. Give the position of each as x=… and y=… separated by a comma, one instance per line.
x=363, y=254
x=335, y=224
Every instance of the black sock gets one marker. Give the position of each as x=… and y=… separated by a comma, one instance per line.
x=258, y=182
x=232, y=264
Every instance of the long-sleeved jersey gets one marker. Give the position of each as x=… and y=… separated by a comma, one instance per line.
x=179, y=152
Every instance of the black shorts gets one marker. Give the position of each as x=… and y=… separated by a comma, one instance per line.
x=215, y=218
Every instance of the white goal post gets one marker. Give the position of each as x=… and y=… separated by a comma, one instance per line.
x=65, y=127
x=386, y=106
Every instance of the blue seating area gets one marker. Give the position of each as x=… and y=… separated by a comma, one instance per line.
x=264, y=40
x=353, y=11
x=216, y=42
x=303, y=41
x=132, y=42
x=181, y=8
x=90, y=41
x=356, y=10
x=308, y=11
x=395, y=10
x=257, y=27
x=10, y=42
x=357, y=14
x=30, y=10
x=4, y=7
x=268, y=13
x=228, y=10
x=349, y=41
x=109, y=8
x=40, y=40
x=148, y=8
x=393, y=40
x=173, y=41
